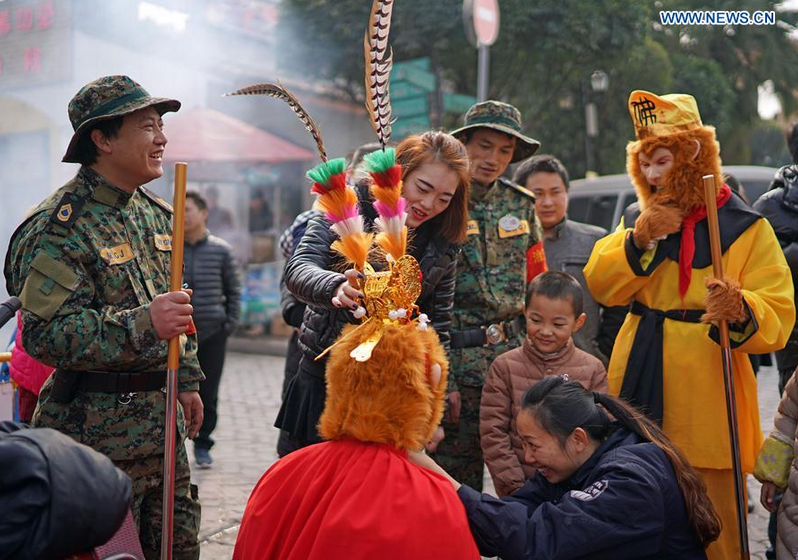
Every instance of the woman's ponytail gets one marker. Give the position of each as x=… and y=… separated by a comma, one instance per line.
x=700, y=512
x=561, y=406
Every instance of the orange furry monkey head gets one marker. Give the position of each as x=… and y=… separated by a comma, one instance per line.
x=672, y=122
x=395, y=397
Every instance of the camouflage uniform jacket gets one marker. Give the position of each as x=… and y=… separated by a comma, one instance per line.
x=492, y=271
x=86, y=265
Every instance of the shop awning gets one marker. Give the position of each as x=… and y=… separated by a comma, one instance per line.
x=206, y=135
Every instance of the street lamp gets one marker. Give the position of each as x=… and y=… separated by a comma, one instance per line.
x=599, y=83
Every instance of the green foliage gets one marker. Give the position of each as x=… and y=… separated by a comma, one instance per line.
x=767, y=145
x=705, y=80
x=647, y=67
x=546, y=52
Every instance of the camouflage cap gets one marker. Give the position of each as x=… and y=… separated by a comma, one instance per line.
x=106, y=98
x=504, y=118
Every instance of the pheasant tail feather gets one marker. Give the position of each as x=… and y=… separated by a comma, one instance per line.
x=278, y=91
x=378, y=63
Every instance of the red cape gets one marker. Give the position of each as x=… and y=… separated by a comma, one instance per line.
x=352, y=500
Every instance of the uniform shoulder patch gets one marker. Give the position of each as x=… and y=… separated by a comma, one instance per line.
x=157, y=199
x=67, y=210
x=516, y=187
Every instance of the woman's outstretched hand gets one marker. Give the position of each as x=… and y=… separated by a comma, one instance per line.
x=348, y=294
x=437, y=437
x=423, y=460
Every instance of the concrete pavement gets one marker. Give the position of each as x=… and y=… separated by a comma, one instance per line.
x=246, y=441
x=249, y=398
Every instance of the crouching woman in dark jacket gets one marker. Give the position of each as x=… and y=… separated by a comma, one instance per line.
x=604, y=488
x=435, y=185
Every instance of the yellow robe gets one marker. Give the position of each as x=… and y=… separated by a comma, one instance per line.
x=692, y=376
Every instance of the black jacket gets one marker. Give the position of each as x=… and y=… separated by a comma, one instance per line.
x=780, y=207
x=57, y=497
x=311, y=276
x=210, y=270
x=292, y=309
x=622, y=503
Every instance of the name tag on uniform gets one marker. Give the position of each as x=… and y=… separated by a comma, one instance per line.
x=163, y=242
x=118, y=255
x=472, y=228
x=510, y=226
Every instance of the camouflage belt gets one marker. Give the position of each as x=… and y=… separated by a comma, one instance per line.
x=487, y=335
x=120, y=382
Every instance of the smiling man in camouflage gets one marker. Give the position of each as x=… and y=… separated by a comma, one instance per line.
x=91, y=266
x=502, y=254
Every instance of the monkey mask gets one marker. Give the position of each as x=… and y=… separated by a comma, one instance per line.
x=672, y=122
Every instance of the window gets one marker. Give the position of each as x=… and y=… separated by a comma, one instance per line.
x=602, y=210
x=578, y=207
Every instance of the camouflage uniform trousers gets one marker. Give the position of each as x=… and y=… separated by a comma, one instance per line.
x=147, y=476
x=132, y=434
x=460, y=452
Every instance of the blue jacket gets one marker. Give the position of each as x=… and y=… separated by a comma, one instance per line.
x=623, y=502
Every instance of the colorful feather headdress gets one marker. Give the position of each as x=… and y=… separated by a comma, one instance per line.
x=389, y=295
x=339, y=203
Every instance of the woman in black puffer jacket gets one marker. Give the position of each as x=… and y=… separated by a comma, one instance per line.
x=780, y=207
x=435, y=184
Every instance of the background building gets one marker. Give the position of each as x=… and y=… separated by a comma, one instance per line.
x=194, y=51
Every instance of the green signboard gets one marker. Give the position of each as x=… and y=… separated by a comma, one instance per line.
x=416, y=72
x=401, y=89
x=411, y=125
x=410, y=106
x=457, y=102
x=422, y=63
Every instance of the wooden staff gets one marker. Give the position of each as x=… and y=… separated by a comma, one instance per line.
x=173, y=364
x=710, y=198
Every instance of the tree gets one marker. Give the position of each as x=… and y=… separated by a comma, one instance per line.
x=744, y=56
x=768, y=146
x=546, y=52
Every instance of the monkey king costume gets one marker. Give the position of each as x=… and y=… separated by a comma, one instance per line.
x=357, y=496
x=667, y=359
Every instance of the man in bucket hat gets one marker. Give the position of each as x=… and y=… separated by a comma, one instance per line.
x=91, y=266
x=503, y=252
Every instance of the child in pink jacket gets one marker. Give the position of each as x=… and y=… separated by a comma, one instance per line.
x=28, y=374
x=553, y=313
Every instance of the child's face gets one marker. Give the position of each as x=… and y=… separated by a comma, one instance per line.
x=551, y=322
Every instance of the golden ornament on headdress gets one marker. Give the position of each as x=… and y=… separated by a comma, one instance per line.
x=389, y=298
x=393, y=289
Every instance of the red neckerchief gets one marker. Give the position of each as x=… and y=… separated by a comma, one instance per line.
x=687, y=248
